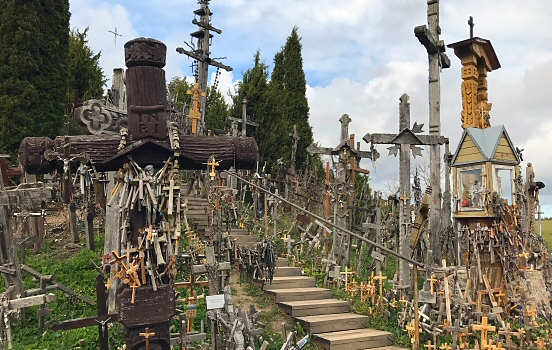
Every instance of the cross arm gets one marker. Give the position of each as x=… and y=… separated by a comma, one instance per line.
x=195, y=55
x=312, y=150
x=206, y=26
x=241, y=121
x=388, y=139
x=84, y=322
x=432, y=46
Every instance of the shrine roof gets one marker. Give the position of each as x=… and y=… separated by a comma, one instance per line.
x=494, y=144
x=486, y=44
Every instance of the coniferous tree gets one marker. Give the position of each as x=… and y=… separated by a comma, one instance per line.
x=34, y=36
x=295, y=106
x=84, y=76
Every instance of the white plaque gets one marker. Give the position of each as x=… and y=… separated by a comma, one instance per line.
x=215, y=301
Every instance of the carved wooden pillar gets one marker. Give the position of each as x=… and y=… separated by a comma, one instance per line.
x=146, y=88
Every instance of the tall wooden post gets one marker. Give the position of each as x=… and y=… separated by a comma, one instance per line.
x=201, y=54
x=429, y=37
x=404, y=189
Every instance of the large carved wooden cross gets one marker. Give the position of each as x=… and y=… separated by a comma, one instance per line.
x=244, y=121
x=429, y=37
x=406, y=141
x=349, y=158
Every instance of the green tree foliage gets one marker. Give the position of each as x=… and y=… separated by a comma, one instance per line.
x=34, y=36
x=217, y=108
x=85, y=75
x=263, y=108
x=295, y=107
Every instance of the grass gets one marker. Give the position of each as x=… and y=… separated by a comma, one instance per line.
x=546, y=231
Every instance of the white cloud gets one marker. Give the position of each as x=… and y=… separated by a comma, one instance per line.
x=359, y=57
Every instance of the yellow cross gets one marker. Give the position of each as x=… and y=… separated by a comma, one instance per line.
x=213, y=164
x=484, y=328
x=195, y=113
x=147, y=335
x=380, y=278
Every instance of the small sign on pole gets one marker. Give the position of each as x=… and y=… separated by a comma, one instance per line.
x=215, y=301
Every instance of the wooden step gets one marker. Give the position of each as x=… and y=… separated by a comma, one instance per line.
x=354, y=340
x=291, y=282
x=332, y=322
x=286, y=271
x=246, y=239
x=296, y=294
x=239, y=232
x=314, y=307
x=281, y=262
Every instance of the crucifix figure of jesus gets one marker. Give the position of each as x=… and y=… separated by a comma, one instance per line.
x=429, y=37
x=195, y=113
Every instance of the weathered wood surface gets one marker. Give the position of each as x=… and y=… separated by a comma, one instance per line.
x=150, y=307
x=195, y=150
x=27, y=199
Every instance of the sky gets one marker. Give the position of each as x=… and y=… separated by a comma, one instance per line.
x=359, y=57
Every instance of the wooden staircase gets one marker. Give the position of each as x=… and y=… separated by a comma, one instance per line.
x=243, y=238
x=334, y=327
x=196, y=212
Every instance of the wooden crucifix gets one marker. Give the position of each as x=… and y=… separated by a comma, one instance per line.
x=349, y=158
x=429, y=37
x=101, y=320
x=202, y=53
x=406, y=140
x=244, y=121
x=195, y=112
x=295, y=139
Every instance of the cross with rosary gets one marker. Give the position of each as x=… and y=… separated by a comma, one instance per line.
x=115, y=35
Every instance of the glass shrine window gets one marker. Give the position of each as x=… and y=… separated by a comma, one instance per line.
x=503, y=182
x=471, y=188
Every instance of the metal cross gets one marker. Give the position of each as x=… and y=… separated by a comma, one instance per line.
x=115, y=35
x=471, y=23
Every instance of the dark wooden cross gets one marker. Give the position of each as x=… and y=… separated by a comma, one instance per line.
x=75, y=104
x=243, y=120
x=101, y=320
x=406, y=141
x=115, y=35
x=429, y=38
x=295, y=138
x=347, y=152
x=471, y=23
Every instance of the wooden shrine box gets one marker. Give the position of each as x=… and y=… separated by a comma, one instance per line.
x=485, y=162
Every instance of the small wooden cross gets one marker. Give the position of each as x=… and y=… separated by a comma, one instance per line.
x=195, y=113
x=540, y=343
x=445, y=346
x=147, y=335
x=430, y=346
x=532, y=312
x=507, y=334
x=118, y=260
x=410, y=329
x=380, y=279
x=484, y=328
x=133, y=293
x=432, y=282
x=347, y=273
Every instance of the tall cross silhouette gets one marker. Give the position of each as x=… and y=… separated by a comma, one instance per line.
x=471, y=23
x=115, y=35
